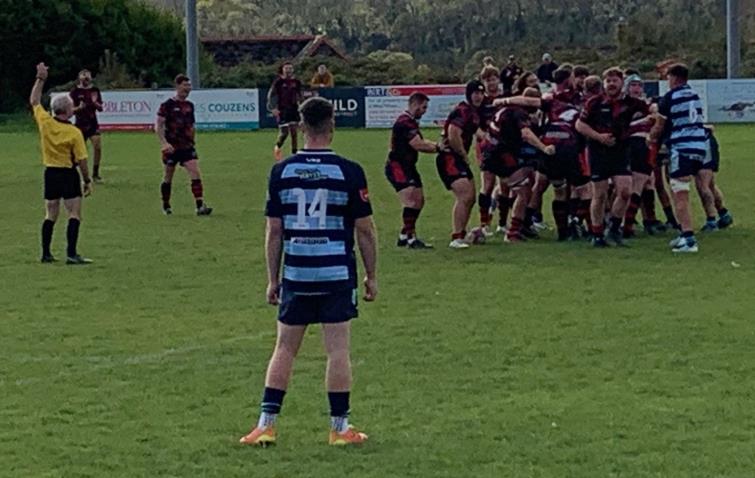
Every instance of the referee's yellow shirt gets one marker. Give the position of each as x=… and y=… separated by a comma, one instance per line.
x=62, y=143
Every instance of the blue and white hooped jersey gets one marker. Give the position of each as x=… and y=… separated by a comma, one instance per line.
x=318, y=196
x=683, y=110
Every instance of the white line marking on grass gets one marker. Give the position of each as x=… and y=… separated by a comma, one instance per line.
x=109, y=362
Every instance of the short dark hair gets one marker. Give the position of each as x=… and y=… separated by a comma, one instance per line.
x=418, y=97
x=679, y=70
x=317, y=115
x=593, y=84
x=181, y=78
x=613, y=71
x=581, y=70
x=561, y=75
x=631, y=71
x=489, y=71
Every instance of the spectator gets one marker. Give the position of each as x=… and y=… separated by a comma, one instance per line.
x=322, y=78
x=545, y=71
x=509, y=74
x=487, y=61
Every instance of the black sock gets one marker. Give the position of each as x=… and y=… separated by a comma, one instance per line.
x=47, y=228
x=688, y=234
x=670, y=217
x=529, y=216
x=711, y=218
x=72, y=233
x=272, y=400
x=723, y=211
x=339, y=403
x=165, y=193
x=96, y=171
x=615, y=224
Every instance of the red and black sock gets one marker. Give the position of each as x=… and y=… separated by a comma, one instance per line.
x=561, y=216
x=574, y=207
x=458, y=235
x=165, y=192
x=516, y=226
x=47, y=228
x=410, y=216
x=198, y=191
x=630, y=217
x=648, y=206
x=598, y=230
x=484, y=201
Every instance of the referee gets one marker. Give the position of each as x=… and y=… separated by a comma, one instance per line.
x=63, y=150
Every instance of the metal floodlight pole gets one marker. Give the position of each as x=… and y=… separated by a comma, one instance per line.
x=732, y=39
x=192, y=42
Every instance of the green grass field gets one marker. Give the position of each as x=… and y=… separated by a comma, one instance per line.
x=533, y=360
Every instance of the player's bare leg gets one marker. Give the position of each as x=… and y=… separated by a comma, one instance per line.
x=463, y=190
x=686, y=241
x=598, y=211
x=278, y=375
x=664, y=198
x=580, y=210
x=197, y=189
x=97, y=150
x=165, y=188
x=337, y=340
x=505, y=202
x=485, y=200
x=639, y=181
x=292, y=128
x=282, y=135
x=623, y=191
x=560, y=209
x=535, y=207
x=725, y=219
x=704, y=186
x=413, y=200
x=521, y=188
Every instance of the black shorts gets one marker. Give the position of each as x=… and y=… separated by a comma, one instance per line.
x=606, y=163
x=62, y=183
x=565, y=166
x=179, y=157
x=332, y=308
x=641, y=159
x=501, y=163
x=402, y=175
x=451, y=168
x=713, y=159
x=288, y=115
x=93, y=130
x=683, y=164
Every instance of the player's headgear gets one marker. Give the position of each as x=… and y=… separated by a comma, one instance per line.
x=632, y=79
x=472, y=86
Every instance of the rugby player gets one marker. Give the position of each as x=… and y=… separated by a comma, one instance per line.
x=317, y=200
x=64, y=152
x=510, y=130
x=175, y=130
x=453, y=162
x=87, y=101
x=710, y=194
x=605, y=123
x=687, y=140
x=401, y=167
x=283, y=100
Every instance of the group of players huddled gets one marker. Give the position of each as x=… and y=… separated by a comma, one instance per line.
x=604, y=147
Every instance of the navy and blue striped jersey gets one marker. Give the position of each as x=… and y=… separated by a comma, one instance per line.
x=318, y=196
x=683, y=111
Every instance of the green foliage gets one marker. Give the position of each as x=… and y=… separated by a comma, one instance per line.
x=76, y=34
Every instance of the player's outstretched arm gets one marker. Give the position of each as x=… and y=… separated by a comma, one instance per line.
x=587, y=131
x=35, y=97
x=522, y=101
x=423, y=145
x=273, y=250
x=532, y=139
x=367, y=241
